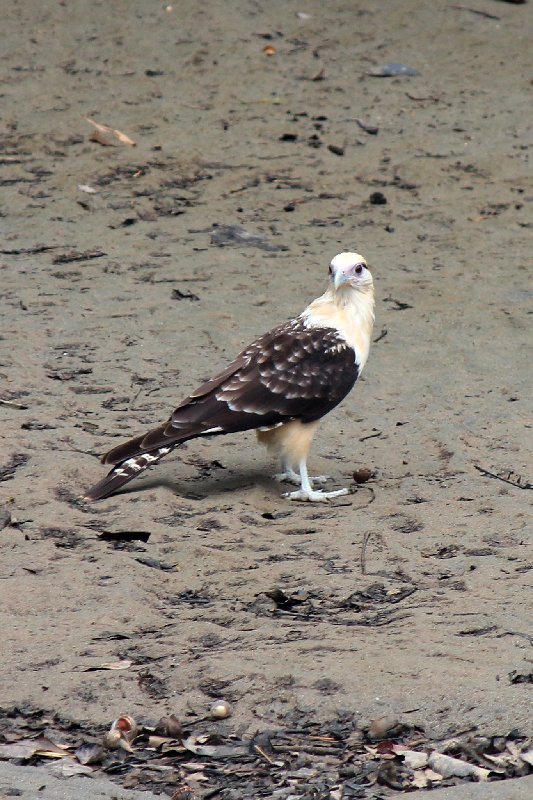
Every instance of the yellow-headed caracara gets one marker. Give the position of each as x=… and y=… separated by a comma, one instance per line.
x=281, y=385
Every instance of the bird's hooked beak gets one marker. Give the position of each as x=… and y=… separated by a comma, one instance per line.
x=339, y=278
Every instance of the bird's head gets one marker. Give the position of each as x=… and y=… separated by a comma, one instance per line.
x=349, y=270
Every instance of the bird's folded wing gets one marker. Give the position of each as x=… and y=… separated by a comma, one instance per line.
x=293, y=372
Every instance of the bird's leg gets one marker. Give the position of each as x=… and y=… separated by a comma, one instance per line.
x=288, y=475
x=306, y=491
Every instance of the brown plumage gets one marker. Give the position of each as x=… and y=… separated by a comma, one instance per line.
x=280, y=385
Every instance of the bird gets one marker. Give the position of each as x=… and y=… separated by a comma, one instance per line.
x=281, y=385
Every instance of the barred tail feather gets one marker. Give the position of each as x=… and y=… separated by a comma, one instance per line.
x=125, y=471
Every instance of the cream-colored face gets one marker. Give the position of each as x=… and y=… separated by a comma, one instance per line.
x=349, y=269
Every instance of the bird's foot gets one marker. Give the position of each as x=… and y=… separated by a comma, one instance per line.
x=312, y=496
x=290, y=476
x=320, y=479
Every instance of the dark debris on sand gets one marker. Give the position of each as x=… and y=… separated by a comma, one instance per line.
x=203, y=757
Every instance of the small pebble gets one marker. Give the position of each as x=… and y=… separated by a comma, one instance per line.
x=378, y=199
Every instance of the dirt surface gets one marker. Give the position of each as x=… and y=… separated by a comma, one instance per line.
x=415, y=590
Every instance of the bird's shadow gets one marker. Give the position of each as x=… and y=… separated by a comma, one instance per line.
x=200, y=488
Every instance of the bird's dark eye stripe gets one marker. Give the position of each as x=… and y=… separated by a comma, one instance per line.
x=330, y=270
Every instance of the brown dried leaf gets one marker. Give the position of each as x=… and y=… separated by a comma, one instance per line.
x=102, y=138
x=105, y=135
x=26, y=748
x=124, y=664
x=67, y=769
x=89, y=753
x=193, y=745
x=169, y=727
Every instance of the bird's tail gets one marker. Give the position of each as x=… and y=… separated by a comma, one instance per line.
x=132, y=458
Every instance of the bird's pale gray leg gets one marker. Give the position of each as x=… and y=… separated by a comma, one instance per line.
x=306, y=491
x=288, y=475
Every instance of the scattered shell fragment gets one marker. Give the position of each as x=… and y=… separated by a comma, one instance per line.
x=367, y=126
x=269, y=50
x=112, y=739
x=220, y=710
x=127, y=727
x=391, y=71
x=122, y=732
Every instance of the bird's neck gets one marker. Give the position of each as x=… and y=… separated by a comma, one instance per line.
x=350, y=311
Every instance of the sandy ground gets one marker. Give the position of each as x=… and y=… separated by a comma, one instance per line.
x=96, y=345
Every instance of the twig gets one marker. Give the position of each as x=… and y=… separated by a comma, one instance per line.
x=516, y=484
x=476, y=11
x=263, y=754
x=370, y=436
x=12, y=403
x=44, y=248
x=362, y=559
x=381, y=336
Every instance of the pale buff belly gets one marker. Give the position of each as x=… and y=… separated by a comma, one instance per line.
x=290, y=441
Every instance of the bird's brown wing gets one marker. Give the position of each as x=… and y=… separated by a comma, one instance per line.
x=293, y=372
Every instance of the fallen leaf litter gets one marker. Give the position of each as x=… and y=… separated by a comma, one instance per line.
x=204, y=757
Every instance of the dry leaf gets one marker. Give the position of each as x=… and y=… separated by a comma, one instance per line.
x=194, y=745
x=432, y=776
x=104, y=139
x=26, y=748
x=67, y=769
x=113, y=665
x=89, y=753
x=419, y=781
x=105, y=135
x=125, y=664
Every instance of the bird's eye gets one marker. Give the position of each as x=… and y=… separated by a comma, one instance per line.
x=359, y=269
